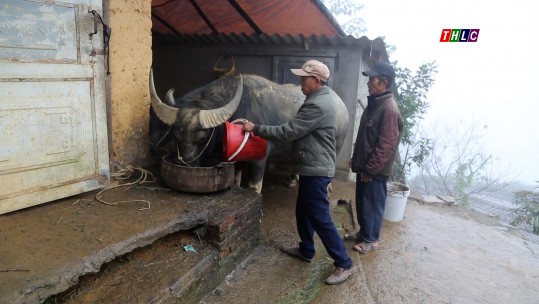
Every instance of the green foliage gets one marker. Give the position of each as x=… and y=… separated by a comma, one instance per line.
x=347, y=14
x=411, y=96
x=423, y=148
x=457, y=164
x=469, y=172
x=528, y=211
x=343, y=7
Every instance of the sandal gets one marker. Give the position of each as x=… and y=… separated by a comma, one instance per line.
x=350, y=237
x=365, y=247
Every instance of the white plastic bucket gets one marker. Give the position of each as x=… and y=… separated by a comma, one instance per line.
x=397, y=195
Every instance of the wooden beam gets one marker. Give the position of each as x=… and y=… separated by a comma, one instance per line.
x=164, y=23
x=204, y=17
x=245, y=16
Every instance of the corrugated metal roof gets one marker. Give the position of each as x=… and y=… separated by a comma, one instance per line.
x=243, y=16
x=264, y=39
x=252, y=22
x=374, y=46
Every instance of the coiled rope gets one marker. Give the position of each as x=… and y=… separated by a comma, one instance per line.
x=123, y=174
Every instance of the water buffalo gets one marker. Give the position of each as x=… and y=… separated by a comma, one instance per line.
x=196, y=119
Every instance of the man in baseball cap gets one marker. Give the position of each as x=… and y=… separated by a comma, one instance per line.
x=312, y=133
x=313, y=68
x=376, y=147
x=381, y=69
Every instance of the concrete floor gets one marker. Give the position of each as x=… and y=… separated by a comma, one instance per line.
x=436, y=254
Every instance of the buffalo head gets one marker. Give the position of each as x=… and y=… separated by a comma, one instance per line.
x=194, y=120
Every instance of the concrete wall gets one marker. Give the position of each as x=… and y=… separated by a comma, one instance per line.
x=130, y=61
x=346, y=85
x=362, y=93
x=186, y=68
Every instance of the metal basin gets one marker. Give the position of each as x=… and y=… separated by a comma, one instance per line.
x=196, y=179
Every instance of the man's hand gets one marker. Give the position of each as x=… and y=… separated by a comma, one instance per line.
x=248, y=126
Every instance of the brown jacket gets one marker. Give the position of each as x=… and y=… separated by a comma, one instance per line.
x=378, y=136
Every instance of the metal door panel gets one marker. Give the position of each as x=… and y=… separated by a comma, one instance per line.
x=53, y=140
x=20, y=71
x=38, y=31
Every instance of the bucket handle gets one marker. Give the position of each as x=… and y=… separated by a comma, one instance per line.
x=244, y=141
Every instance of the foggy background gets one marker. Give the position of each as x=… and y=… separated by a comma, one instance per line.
x=490, y=83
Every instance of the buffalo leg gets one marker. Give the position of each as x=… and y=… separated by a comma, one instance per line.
x=292, y=181
x=238, y=168
x=256, y=174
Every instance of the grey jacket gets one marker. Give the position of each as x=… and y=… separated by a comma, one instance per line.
x=312, y=132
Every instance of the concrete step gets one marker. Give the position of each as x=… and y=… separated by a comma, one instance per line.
x=58, y=250
x=176, y=268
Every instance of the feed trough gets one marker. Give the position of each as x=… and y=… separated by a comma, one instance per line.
x=196, y=179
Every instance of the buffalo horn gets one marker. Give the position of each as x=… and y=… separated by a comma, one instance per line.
x=164, y=112
x=213, y=118
x=170, y=98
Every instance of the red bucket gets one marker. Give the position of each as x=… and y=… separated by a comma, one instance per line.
x=241, y=146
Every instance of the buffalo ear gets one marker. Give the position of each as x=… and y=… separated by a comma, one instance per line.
x=164, y=112
x=213, y=118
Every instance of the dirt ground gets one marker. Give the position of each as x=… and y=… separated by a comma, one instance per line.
x=436, y=254
x=46, y=248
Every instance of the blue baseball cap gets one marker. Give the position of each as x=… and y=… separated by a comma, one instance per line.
x=381, y=69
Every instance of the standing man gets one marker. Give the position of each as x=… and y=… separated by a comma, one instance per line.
x=374, y=153
x=312, y=132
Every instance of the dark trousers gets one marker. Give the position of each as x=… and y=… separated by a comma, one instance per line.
x=370, y=205
x=312, y=215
